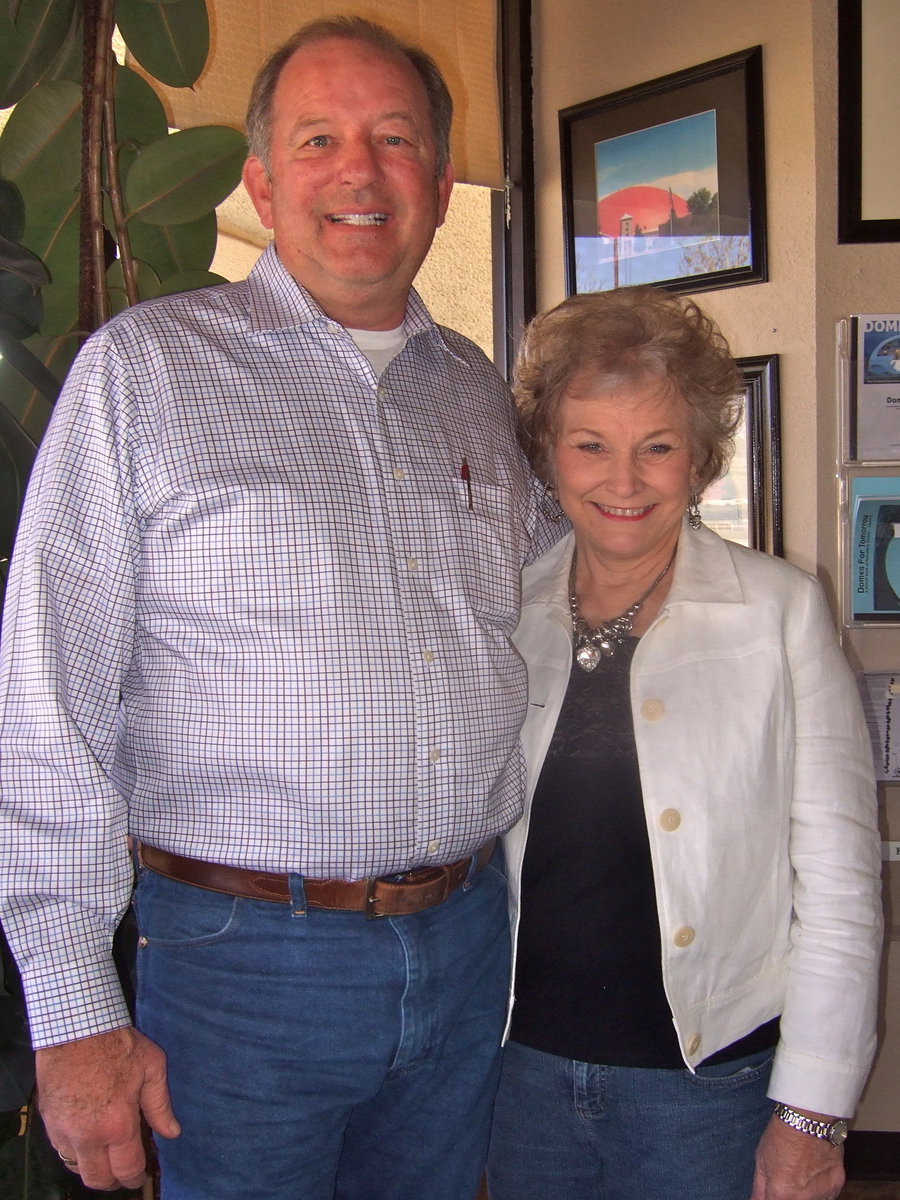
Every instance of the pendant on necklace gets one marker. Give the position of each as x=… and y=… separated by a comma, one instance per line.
x=588, y=656
x=593, y=644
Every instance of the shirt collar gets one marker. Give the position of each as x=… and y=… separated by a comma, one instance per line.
x=704, y=572
x=277, y=301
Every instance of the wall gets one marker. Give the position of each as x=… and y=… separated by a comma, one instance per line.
x=594, y=52
x=599, y=47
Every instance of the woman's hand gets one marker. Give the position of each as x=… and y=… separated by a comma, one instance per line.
x=791, y=1165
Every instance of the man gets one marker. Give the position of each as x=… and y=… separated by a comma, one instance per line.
x=259, y=621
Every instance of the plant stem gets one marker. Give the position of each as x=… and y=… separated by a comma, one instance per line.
x=114, y=182
x=93, y=300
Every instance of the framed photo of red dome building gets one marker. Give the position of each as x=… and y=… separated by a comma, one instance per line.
x=664, y=183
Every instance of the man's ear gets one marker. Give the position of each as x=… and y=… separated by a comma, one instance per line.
x=259, y=189
x=445, y=187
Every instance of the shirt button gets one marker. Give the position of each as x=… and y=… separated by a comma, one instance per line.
x=670, y=819
x=694, y=1045
x=652, y=710
x=399, y=473
x=684, y=936
x=428, y=656
x=412, y=563
x=434, y=754
x=433, y=847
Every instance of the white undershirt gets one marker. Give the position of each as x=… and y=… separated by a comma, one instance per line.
x=379, y=345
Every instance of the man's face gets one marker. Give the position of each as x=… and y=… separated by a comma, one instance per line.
x=353, y=196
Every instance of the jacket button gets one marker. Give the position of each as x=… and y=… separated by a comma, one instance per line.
x=652, y=710
x=683, y=936
x=693, y=1045
x=670, y=819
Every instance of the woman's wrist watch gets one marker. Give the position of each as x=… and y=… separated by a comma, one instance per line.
x=832, y=1131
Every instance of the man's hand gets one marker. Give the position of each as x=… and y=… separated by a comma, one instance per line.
x=791, y=1165
x=91, y=1094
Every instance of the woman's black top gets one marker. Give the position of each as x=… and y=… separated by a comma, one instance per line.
x=589, y=976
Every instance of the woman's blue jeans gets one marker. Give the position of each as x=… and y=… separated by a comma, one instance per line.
x=566, y=1130
x=324, y=1056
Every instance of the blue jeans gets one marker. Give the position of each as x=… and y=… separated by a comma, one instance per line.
x=567, y=1130
x=324, y=1057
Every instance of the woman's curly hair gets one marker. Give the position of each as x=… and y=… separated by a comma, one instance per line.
x=635, y=336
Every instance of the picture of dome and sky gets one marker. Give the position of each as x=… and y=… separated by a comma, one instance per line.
x=658, y=215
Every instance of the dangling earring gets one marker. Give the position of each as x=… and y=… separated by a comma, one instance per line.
x=693, y=511
x=549, y=504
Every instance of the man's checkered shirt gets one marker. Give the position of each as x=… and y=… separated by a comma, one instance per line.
x=257, y=615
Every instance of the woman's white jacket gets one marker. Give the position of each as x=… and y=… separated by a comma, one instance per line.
x=756, y=771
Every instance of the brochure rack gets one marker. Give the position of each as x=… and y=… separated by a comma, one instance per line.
x=868, y=468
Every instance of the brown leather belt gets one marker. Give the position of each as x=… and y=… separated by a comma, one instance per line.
x=410, y=893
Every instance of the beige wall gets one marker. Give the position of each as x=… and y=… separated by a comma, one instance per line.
x=601, y=48
x=592, y=47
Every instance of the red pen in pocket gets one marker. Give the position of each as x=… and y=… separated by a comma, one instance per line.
x=466, y=476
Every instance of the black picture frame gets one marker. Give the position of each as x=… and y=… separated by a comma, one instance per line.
x=857, y=127
x=762, y=421
x=707, y=121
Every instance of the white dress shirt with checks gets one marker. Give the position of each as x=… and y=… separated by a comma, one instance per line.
x=257, y=615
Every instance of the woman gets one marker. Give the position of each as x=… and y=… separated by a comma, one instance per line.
x=695, y=880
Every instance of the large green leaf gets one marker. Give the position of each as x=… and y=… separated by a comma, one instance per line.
x=171, y=249
x=40, y=148
x=26, y=366
x=52, y=229
x=140, y=120
x=69, y=61
x=184, y=175
x=147, y=285
x=30, y=405
x=29, y=42
x=17, y=453
x=170, y=41
x=140, y=116
x=20, y=306
x=12, y=211
x=22, y=263
x=60, y=309
x=188, y=281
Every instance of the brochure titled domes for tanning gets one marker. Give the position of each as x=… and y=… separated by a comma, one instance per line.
x=875, y=387
x=875, y=548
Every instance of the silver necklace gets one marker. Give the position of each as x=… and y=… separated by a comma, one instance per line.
x=593, y=644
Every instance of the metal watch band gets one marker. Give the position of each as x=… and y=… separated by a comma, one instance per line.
x=832, y=1131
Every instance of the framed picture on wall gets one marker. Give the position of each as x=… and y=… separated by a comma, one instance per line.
x=868, y=114
x=745, y=505
x=664, y=183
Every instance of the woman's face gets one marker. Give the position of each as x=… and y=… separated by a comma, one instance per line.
x=624, y=469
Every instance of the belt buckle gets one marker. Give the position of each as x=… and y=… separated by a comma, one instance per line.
x=372, y=900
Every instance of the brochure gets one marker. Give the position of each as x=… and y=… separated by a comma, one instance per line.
x=874, y=563
x=880, y=694
x=874, y=426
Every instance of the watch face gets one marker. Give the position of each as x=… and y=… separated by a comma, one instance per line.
x=838, y=1134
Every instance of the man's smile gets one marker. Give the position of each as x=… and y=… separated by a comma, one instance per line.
x=358, y=218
